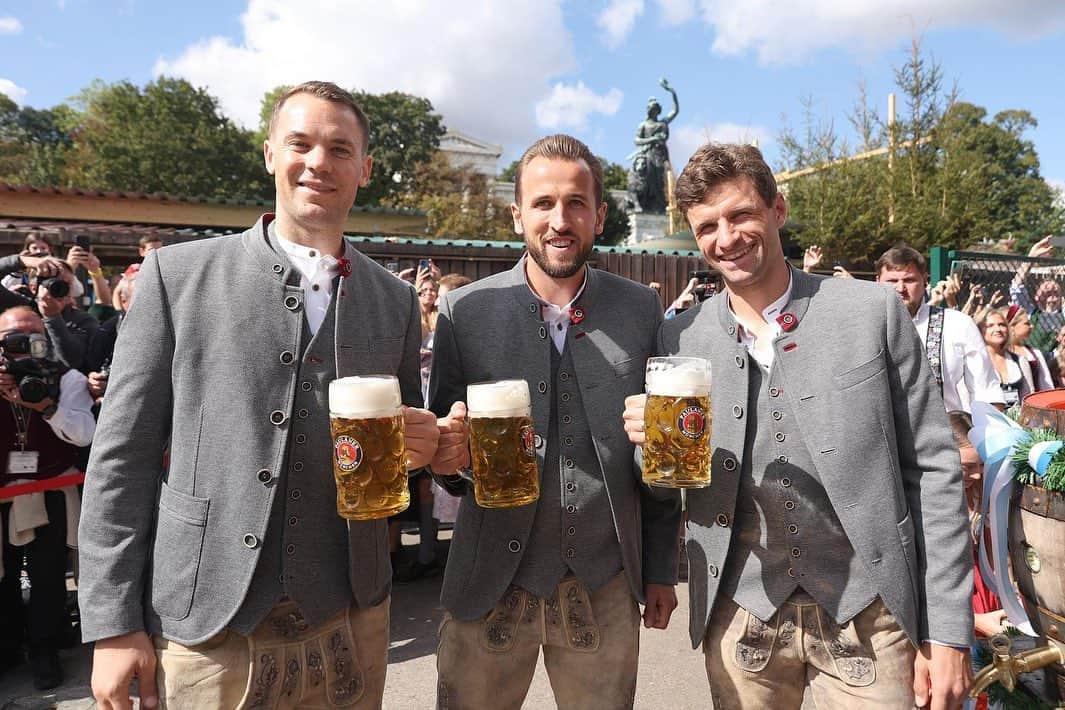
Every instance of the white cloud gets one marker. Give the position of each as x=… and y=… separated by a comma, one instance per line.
x=675, y=12
x=10, y=25
x=617, y=20
x=570, y=106
x=473, y=60
x=12, y=90
x=1059, y=187
x=689, y=137
x=786, y=32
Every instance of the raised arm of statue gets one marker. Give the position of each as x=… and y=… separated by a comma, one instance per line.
x=676, y=105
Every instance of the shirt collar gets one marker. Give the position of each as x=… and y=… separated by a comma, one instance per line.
x=773, y=310
x=307, y=259
x=549, y=311
x=922, y=313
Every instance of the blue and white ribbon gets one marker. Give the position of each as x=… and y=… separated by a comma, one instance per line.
x=995, y=435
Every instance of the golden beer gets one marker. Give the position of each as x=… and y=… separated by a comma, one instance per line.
x=502, y=444
x=369, y=453
x=677, y=423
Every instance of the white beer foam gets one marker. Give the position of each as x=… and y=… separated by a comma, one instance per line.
x=370, y=396
x=680, y=381
x=506, y=398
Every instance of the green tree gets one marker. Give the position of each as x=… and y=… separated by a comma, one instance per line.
x=33, y=143
x=169, y=137
x=615, y=176
x=950, y=177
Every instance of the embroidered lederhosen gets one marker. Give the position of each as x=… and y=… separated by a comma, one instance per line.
x=567, y=613
x=934, y=343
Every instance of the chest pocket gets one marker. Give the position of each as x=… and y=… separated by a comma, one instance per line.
x=381, y=356
x=862, y=373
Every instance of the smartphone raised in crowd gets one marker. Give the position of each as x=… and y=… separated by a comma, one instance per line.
x=83, y=241
x=423, y=263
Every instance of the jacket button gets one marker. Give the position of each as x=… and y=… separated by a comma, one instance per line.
x=782, y=459
x=793, y=529
x=729, y=464
x=737, y=411
x=565, y=396
x=569, y=441
x=779, y=436
x=514, y=546
x=296, y=494
x=250, y=541
x=567, y=419
x=293, y=520
x=570, y=486
x=789, y=505
x=541, y=386
x=739, y=362
x=774, y=392
x=722, y=520
x=542, y=332
x=301, y=438
x=732, y=330
x=278, y=268
x=302, y=414
x=287, y=358
x=796, y=552
x=564, y=376
x=786, y=482
x=533, y=308
x=712, y=569
x=791, y=572
x=778, y=415
x=306, y=386
x=264, y=475
x=570, y=552
x=571, y=530
x=292, y=303
x=569, y=463
x=298, y=466
x=571, y=509
x=277, y=417
x=290, y=549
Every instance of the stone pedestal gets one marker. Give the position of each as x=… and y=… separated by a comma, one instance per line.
x=646, y=227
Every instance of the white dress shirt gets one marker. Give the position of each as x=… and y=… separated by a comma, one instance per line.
x=557, y=318
x=73, y=421
x=968, y=374
x=317, y=272
x=762, y=350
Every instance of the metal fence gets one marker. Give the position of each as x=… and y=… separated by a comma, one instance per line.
x=998, y=280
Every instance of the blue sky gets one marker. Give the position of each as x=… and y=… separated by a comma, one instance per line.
x=513, y=70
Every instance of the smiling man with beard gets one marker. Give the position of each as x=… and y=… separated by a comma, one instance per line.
x=566, y=572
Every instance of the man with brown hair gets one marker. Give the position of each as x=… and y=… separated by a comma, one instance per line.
x=953, y=345
x=566, y=572
x=831, y=543
x=228, y=580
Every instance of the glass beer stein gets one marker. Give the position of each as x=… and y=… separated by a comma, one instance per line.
x=369, y=455
x=677, y=423
x=502, y=444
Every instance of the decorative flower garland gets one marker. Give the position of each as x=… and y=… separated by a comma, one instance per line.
x=1046, y=448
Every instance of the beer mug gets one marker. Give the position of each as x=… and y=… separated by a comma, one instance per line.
x=369, y=455
x=502, y=444
x=677, y=423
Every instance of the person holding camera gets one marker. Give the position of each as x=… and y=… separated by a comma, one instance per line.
x=47, y=416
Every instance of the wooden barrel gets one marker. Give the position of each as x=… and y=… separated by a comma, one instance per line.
x=1037, y=540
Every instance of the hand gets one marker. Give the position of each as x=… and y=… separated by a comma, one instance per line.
x=406, y=274
x=811, y=258
x=421, y=436
x=1042, y=248
x=990, y=623
x=838, y=272
x=941, y=674
x=45, y=266
x=633, y=417
x=997, y=299
x=78, y=257
x=9, y=391
x=97, y=384
x=664, y=84
x=49, y=305
x=453, y=452
x=114, y=664
x=661, y=601
x=936, y=295
x=952, y=289
x=434, y=271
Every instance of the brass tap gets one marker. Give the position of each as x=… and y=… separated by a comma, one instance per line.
x=1005, y=668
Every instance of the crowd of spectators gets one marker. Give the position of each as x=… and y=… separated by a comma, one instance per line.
x=59, y=318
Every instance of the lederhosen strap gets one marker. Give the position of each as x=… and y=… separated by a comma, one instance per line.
x=934, y=343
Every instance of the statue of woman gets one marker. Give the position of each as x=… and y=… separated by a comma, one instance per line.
x=651, y=138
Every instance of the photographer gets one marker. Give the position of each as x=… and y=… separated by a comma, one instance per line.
x=46, y=417
x=53, y=290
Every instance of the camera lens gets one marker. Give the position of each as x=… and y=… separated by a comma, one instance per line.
x=32, y=389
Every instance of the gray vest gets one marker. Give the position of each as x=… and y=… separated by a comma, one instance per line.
x=787, y=534
x=573, y=528
x=307, y=563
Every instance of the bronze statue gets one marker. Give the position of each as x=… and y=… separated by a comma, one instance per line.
x=647, y=177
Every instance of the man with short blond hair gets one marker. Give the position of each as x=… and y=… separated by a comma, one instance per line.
x=228, y=580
